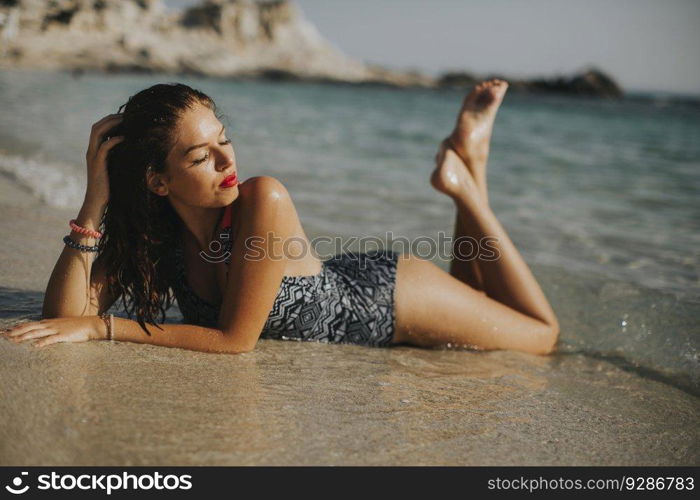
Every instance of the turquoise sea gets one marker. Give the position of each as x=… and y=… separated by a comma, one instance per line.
x=601, y=197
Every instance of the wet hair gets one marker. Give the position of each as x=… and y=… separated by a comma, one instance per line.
x=140, y=227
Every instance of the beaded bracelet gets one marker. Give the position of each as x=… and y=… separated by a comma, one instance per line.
x=109, y=323
x=83, y=230
x=83, y=248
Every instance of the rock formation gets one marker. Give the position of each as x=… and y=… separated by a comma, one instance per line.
x=591, y=82
x=223, y=38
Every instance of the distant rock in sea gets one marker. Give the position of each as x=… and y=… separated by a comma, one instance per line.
x=591, y=82
x=221, y=38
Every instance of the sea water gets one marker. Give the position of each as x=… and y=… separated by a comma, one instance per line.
x=600, y=196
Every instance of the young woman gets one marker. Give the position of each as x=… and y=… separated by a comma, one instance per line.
x=163, y=184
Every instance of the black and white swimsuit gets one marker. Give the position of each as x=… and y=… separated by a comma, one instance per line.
x=351, y=300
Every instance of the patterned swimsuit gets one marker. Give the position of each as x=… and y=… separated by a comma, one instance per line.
x=351, y=300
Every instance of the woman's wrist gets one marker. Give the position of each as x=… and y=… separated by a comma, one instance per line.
x=99, y=328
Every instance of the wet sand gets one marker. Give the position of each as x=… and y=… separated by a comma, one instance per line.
x=290, y=403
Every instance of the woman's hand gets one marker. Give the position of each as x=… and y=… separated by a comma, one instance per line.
x=96, y=157
x=50, y=331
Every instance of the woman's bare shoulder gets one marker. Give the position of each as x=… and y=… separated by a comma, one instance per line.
x=262, y=188
x=265, y=198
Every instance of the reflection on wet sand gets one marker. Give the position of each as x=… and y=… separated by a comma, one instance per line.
x=307, y=403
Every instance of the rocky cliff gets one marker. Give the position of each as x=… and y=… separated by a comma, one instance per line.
x=223, y=38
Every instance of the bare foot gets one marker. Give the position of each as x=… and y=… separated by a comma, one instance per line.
x=451, y=176
x=471, y=137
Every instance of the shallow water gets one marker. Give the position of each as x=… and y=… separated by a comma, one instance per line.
x=600, y=196
x=291, y=403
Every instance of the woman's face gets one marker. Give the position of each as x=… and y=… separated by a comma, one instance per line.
x=201, y=158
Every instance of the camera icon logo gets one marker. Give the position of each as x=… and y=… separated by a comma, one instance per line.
x=220, y=250
x=17, y=482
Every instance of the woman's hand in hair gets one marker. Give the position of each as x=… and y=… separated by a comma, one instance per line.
x=50, y=331
x=96, y=157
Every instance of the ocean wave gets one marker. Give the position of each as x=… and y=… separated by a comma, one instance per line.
x=53, y=183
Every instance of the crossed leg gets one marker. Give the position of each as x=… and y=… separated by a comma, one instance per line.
x=471, y=140
x=482, y=304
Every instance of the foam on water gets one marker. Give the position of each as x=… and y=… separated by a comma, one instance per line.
x=51, y=182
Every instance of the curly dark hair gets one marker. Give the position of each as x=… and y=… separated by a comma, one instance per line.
x=140, y=227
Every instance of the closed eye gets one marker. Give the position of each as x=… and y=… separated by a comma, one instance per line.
x=206, y=155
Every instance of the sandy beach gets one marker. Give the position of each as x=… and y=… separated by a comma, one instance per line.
x=593, y=170
x=289, y=403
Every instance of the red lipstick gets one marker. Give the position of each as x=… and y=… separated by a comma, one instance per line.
x=229, y=181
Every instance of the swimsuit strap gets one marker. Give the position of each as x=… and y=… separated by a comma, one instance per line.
x=228, y=214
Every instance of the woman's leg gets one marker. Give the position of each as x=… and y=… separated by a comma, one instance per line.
x=463, y=265
x=435, y=308
x=471, y=139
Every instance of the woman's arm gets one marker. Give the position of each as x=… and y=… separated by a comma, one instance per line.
x=193, y=337
x=85, y=328
x=267, y=219
x=67, y=291
x=267, y=214
x=253, y=279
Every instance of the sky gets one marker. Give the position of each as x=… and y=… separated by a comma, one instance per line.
x=646, y=45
